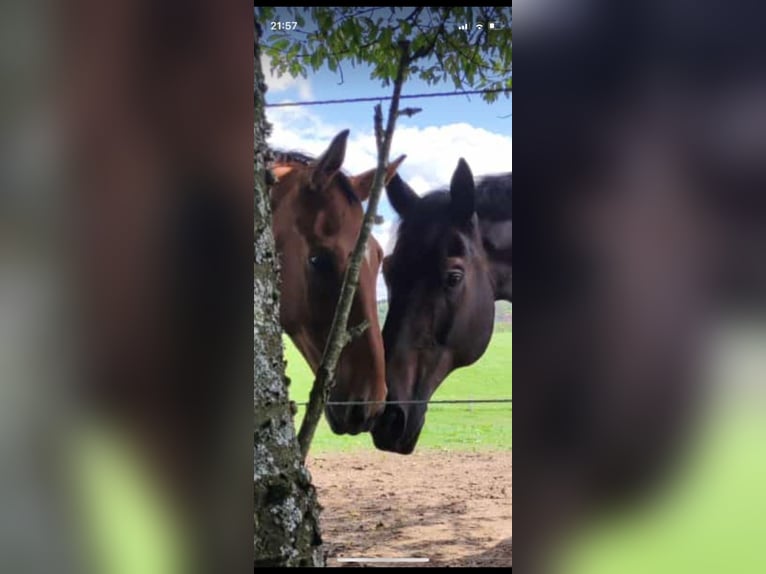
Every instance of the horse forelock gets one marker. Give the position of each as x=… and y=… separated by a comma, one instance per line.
x=303, y=160
x=292, y=157
x=421, y=235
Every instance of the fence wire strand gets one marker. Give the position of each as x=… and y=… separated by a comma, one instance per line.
x=442, y=402
x=382, y=98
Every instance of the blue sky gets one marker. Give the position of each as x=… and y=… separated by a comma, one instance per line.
x=447, y=129
x=440, y=110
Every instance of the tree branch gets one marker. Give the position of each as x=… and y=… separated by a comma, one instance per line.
x=409, y=112
x=458, y=48
x=425, y=51
x=358, y=331
x=339, y=335
x=340, y=69
x=414, y=14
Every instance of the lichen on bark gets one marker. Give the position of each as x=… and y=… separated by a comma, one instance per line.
x=286, y=511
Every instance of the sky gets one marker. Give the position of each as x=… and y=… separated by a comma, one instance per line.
x=448, y=128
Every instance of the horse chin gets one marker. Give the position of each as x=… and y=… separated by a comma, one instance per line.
x=335, y=426
x=404, y=444
x=408, y=446
x=343, y=427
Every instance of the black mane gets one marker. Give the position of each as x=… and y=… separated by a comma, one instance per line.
x=493, y=199
x=305, y=159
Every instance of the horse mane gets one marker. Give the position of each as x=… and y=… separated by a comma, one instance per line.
x=281, y=156
x=304, y=159
x=494, y=197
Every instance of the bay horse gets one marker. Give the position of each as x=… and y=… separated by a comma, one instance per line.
x=317, y=215
x=451, y=262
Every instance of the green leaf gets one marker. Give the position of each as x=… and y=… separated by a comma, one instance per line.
x=469, y=74
x=324, y=20
x=296, y=68
x=265, y=14
x=385, y=40
x=281, y=44
x=316, y=60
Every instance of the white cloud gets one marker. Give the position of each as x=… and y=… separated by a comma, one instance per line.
x=432, y=152
x=286, y=82
x=385, y=234
x=296, y=128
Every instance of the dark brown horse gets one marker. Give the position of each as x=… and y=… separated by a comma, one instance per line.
x=451, y=262
x=317, y=215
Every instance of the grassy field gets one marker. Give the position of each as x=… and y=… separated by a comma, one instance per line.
x=451, y=427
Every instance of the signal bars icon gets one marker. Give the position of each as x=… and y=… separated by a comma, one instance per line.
x=480, y=26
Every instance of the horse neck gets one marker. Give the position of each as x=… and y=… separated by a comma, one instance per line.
x=496, y=236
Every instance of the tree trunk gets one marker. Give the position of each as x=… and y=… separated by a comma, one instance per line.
x=286, y=512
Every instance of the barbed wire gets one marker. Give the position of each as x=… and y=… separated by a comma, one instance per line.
x=381, y=98
x=443, y=402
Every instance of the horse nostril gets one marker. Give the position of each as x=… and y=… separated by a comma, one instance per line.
x=331, y=414
x=356, y=415
x=394, y=420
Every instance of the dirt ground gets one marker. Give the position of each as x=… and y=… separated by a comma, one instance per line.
x=453, y=508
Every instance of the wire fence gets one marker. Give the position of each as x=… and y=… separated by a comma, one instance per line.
x=382, y=98
x=421, y=402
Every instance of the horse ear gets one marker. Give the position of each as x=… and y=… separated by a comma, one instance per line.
x=363, y=182
x=401, y=195
x=330, y=162
x=462, y=193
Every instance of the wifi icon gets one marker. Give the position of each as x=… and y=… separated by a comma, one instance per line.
x=480, y=26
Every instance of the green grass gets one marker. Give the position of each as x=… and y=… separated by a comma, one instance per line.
x=450, y=427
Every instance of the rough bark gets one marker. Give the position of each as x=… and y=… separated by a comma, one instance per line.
x=286, y=512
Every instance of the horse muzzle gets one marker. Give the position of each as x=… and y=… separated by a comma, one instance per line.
x=397, y=430
x=351, y=418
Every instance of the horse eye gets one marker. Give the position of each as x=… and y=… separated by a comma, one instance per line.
x=454, y=277
x=321, y=263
